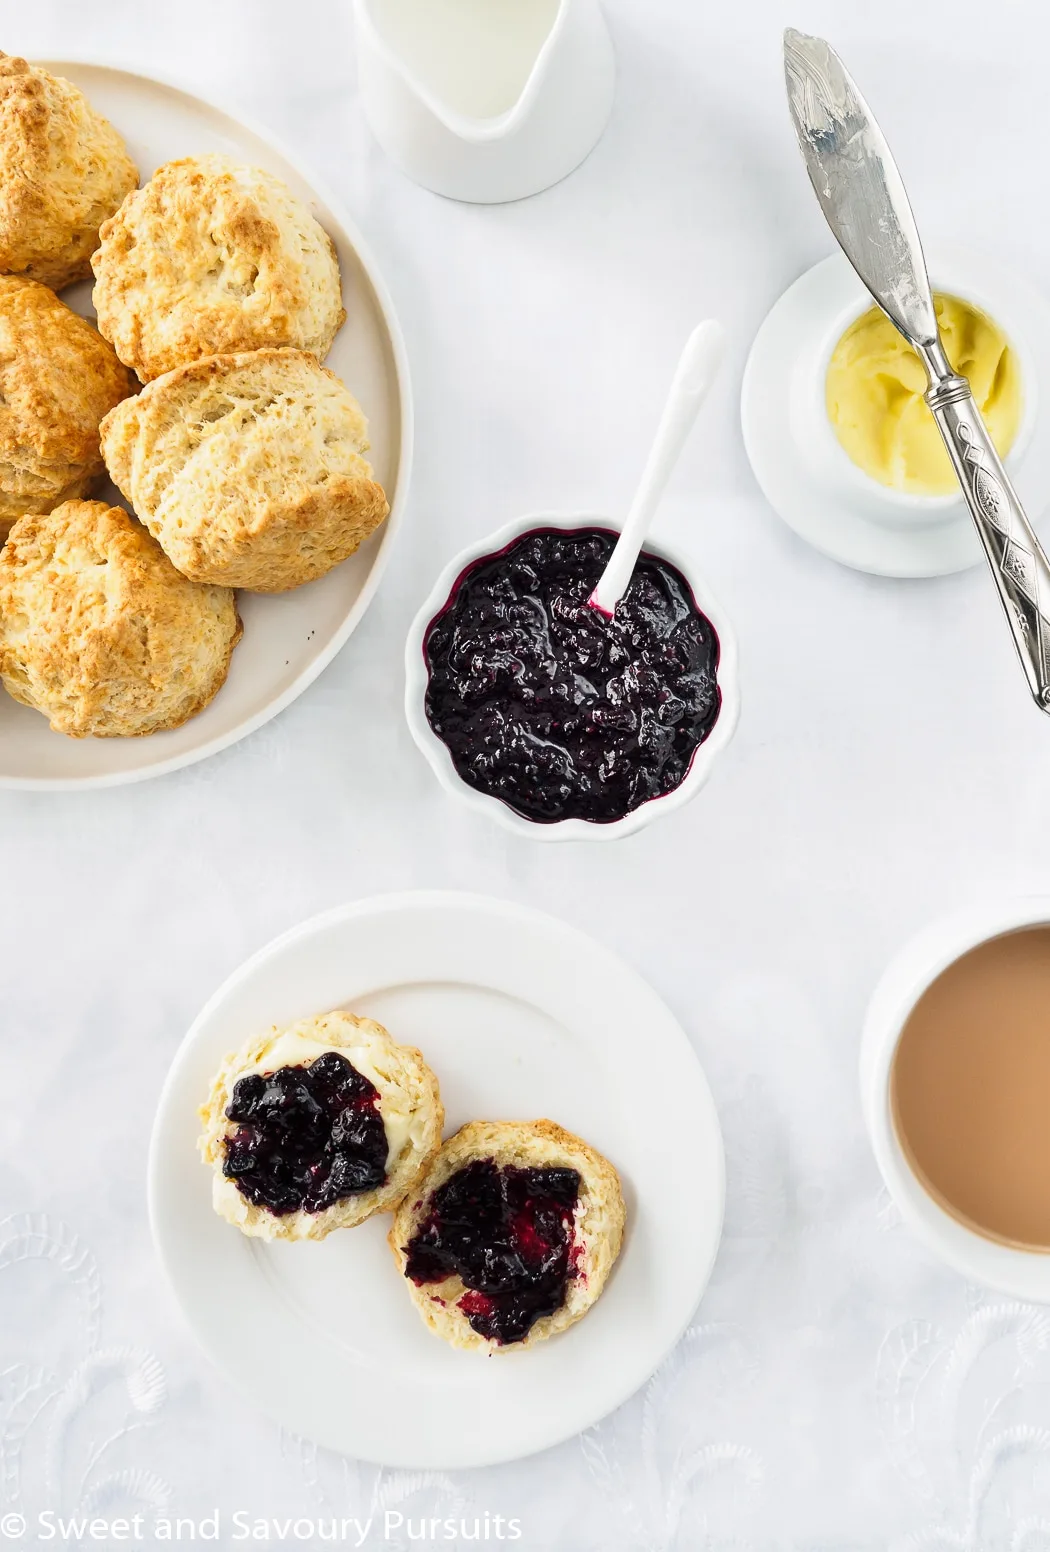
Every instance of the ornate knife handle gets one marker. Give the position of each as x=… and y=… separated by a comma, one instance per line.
x=1019, y=566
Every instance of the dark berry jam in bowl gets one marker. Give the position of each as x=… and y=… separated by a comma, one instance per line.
x=559, y=723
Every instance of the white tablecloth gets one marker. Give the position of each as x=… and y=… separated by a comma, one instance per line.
x=839, y=1390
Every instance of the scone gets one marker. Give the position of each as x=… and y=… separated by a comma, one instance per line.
x=99, y=631
x=512, y=1235
x=317, y=1127
x=58, y=378
x=247, y=468
x=212, y=256
x=63, y=171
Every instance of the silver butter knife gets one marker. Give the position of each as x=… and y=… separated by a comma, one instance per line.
x=864, y=202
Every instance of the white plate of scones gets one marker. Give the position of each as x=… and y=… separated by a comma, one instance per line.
x=205, y=427
x=437, y=1180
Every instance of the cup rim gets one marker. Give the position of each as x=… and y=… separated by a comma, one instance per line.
x=973, y=278
x=1023, y=1274
x=439, y=756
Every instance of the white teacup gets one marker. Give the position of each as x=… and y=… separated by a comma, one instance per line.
x=1024, y=1274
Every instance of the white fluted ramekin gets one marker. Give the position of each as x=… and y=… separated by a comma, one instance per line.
x=439, y=757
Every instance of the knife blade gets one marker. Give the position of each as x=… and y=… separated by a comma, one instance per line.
x=858, y=185
x=864, y=202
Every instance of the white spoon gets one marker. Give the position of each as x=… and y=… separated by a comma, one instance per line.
x=696, y=372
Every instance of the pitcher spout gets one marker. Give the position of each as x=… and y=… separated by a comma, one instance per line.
x=485, y=99
x=477, y=65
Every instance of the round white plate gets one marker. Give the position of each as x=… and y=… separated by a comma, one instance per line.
x=808, y=478
x=288, y=637
x=521, y=1017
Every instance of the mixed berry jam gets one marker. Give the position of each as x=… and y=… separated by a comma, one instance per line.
x=555, y=708
x=306, y=1136
x=507, y=1232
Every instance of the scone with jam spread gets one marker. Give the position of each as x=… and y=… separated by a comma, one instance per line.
x=212, y=256
x=318, y=1126
x=511, y=1236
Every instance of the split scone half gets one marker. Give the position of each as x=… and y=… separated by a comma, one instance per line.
x=511, y=1236
x=248, y=468
x=63, y=171
x=318, y=1126
x=99, y=631
x=209, y=256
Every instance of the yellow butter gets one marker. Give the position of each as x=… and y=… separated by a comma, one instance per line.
x=875, y=386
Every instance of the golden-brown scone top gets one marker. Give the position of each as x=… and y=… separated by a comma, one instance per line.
x=63, y=171
x=58, y=378
x=212, y=256
x=247, y=468
x=99, y=631
x=409, y=1103
x=597, y=1227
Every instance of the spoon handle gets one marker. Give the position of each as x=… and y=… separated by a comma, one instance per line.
x=1018, y=563
x=693, y=377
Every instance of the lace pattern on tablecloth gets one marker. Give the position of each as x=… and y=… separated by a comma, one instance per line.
x=958, y=1409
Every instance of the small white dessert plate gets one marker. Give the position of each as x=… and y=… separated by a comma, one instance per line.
x=807, y=476
x=288, y=637
x=520, y=1016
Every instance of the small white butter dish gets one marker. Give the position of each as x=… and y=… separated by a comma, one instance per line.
x=808, y=477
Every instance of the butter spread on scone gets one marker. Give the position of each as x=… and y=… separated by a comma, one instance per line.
x=318, y=1126
x=212, y=256
x=63, y=171
x=248, y=468
x=99, y=631
x=58, y=378
x=512, y=1235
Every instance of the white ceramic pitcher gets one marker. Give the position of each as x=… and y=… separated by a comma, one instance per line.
x=485, y=100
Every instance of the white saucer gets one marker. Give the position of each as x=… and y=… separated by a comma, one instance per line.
x=520, y=1016
x=809, y=479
